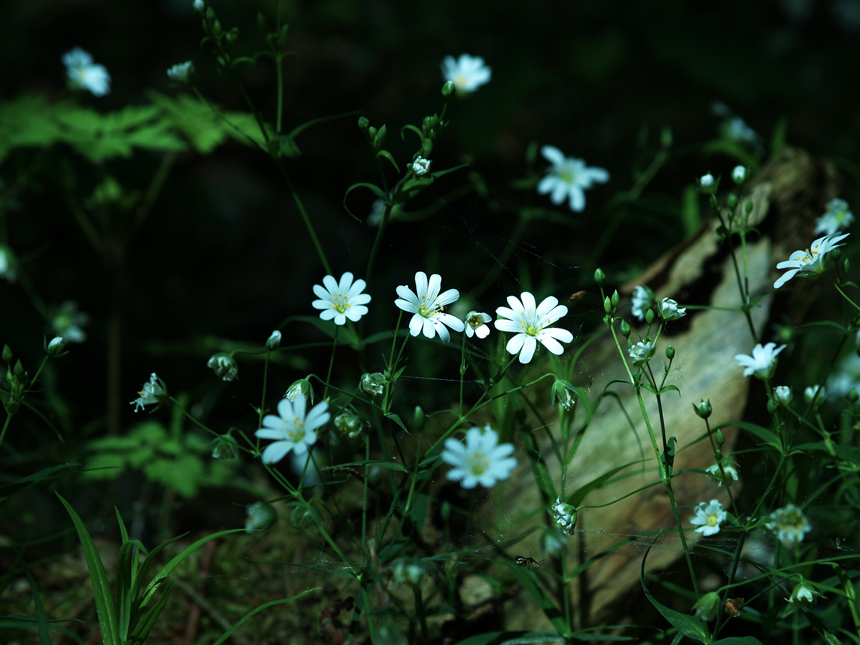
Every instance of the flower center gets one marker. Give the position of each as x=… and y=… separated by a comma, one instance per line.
x=478, y=463
x=428, y=308
x=712, y=520
x=297, y=434
x=475, y=321
x=341, y=304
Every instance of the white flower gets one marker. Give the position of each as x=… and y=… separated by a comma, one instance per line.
x=181, y=72
x=782, y=394
x=706, y=181
x=224, y=365
x=273, y=341
x=467, y=73
x=291, y=428
x=790, y=524
x=803, y=594
x=7, y=264
x=481, y=461
x=709, y=517
x=428, y=306
x=811, y=394
x=531, y=324
x=568, y=177
x=641, y=352
x=149, y=393
x=729, y=470
x=421, y=166
x=83, y=74
x=739, y=174
x=669, y=310
x=564, y=515
x=199, y=6
x=67, y=322
x=476, y=324
x=261, y=517
x=836, y=217
x=377, y=213
x=643, y=300
x=762, y=363
x=809, y=262
x=55, y=346
x=341, y=301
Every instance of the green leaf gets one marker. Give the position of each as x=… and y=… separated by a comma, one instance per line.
x=41, y=619
x=738, y=640
x=596, y=483
x=397, y=420
x=147, y=621
x=389, y=465
x=48, y=473
x=124, y=575
x=296, y=131
x=689, y=626
x=376, y=190
x=101, y=587
x=387, y=155
x=756, y=430
x=257, y=610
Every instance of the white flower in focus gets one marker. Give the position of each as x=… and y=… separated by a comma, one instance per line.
x=83, y=74
x=789, y=523
x=836, y=217
x=727, y=475
x=149, y=393
x=643, y=300
x=181, y=72
x=341, y=300
x=782, y=394
x=811, y=394
x=421, y=166
x=709, y=517
x=291, y=428
x=739, y=174
x=641, y=353
x=476, y=324
x=467, y=73
x=668, y=310
x=568, y=177
x=531, y=324
x=7, y=263
x=428, y=307
x=481, y=461
x=67, y=322
x=808, y=263
x=762, y=363
x=564, y=515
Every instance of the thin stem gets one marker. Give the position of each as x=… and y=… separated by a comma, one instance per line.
x=331, y=362
x=305, y=218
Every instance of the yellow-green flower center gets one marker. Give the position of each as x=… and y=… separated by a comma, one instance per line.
x=428, y=307
x=478, y=463
x=341, y=304
x=475, y=321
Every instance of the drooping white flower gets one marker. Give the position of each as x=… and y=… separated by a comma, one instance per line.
x=808, y=263
x=641, y=352
x=568, y=177
x=340, y=301
x=83, y=74
x=274, y=340
x=762, y=363
x=643, y=300
x=476, y=324
x=804, y=594
x=782, y=394
x=149, y=393
x=482, y=460
x=709, y=517
x=224, y=365
x=564, y=515
x=668, y=310
x=181, y=72
x=836, y=217
x=292, y=429
x=68, y=321
x=531, y=324
x=789, y=523
x=467, y=73
x=427, y=307
x=421, y=166
x=377, y=213
x=727, y=475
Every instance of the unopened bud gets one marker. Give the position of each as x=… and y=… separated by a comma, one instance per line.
x=649, y=316
x=418, y=418
x=274, y=341
x=363, y=124
x=670, y=352
x=7, y=355
x=607, y=305
x=720, y=438
x=56, y=346
x=704, y=409
x=599, y=276
x=625, y=329
x=732, y=201
x=616, y=299
x=448, y=88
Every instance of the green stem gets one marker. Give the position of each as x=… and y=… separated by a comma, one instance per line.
x=331, y=362
x=305, y=218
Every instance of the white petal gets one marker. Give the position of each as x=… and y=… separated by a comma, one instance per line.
x=528, y=301
x=330, y=284
x=528, y=349
x=321, y=293
x=509, y=326
x=452, y=321
x=451, y=295
x=444, y=336
x=286, y=410
x=434, y=286
x=420, y=283
x=559, y=192
x=515, y=344
x=577, y=199
x=276, y=451
x=345, y=282
x=416, y=324
x=553, y=155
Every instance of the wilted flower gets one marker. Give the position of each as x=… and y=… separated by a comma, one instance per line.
x=728, y=475
x=373, y=384
x=349, y=423
x=83, y=74
x=531, y=324
x=643, y=300
x=476, y=324
x=568, y=178
x=836, y=217
x=224, y=366
x=762, y=363
x=564, y=515
x=467, y=73
x=427, y=307
x=421, y=166
x=809, y=263
x=291, y=428
x=668, y=310
x=181, y=73
x=342, y=300
x=481, y=461
x=789, y=523
x=150, y=394
x=709, y=517
x=641, y=352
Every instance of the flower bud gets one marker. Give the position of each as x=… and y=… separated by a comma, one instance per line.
x=719, y=437
x=625, y=329
x=607, y=305
x=707, y=184
x=224, y=366
x=812, y=393
x=274, y=341
x=56, y=346
x=748, y=206
x=363, y=124
x=649, y=316
x=372, y=384
x=670, y=352
x=18, y=370
x=704, y=409
x=666, y=137
x=418, y=418
x=564, y=394
x=199, y=6
x=772, y=406
x=7, y=355
x=732, y=201
x=448, y=88
x=303, y=387
x=782, y=394
x=225, y=446
x=846, y=266
x=739, y=174
x=853, y=395
x=616, y=299
x=261, y=517
x=599, y=276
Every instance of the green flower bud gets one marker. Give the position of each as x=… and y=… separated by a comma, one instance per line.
x=625, y=329
x=55, y=347
x=846, y=266
x=720, y=438
x=666, y=137
x=232, y=36
x=649, y=316
x=607, y=305
x=704, y=409
x=772, y=406
x=18, y=369
x=363, y=124
x=748, y=206
x=373, y=384
x=599, y=276
x=7, y=355
x=303, y=387
x=225, y=446
x=274, y=341
x=262, y=23
x=616, y=299
x=732, y=201
x=418, y=418
x=448, y=88
x=224, y=365
x=261, y=517
x=853, y=395
x=670, y=352
x=216, y=26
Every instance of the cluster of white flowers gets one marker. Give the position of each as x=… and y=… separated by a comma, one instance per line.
x=83, y=74
x=708, y=517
